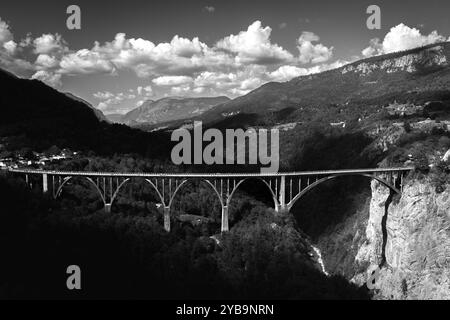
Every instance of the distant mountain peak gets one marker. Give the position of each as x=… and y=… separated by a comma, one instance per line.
x=170, y=109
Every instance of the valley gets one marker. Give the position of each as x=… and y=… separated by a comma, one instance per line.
x=390, y=110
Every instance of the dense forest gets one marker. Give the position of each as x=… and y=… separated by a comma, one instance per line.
x=127, y=254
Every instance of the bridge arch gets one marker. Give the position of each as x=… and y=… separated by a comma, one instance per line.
x=127, y=180
x=58, y=191
x=274, y=196
x=327, y=178
x=201, y=180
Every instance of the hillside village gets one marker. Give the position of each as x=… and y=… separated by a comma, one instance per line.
x=33, y=159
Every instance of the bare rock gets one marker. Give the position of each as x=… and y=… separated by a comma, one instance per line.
x=417, y=248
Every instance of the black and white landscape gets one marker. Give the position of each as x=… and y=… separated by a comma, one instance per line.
x=358, y=208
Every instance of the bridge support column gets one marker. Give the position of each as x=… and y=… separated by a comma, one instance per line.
x=224, y=227
x=281, y=206
x=45, y=183
x=167, y=218
x=108, y=207
x=281, y=209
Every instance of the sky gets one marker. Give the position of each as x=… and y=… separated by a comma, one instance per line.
x=130, y=51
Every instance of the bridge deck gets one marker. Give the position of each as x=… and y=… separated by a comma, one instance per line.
x=209, y=175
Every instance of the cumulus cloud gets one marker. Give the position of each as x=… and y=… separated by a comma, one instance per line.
x=49, y=43
x=147, y=59
x=5, y=34
x=8, y=51
x=172, y=80
x=254, y=46
x=85, y=62
x=400, y=38
x=10, y=47
x=234, y=65
x=312, y=53
x=45, y=61
x=49, y=78
x=285, y=73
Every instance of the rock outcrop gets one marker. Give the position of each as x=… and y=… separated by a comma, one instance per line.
x=408, y=240
x=412, y=62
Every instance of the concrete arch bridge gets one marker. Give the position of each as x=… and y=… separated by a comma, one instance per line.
x=286, y=188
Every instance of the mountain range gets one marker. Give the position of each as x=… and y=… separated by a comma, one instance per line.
x=350, y=90
x=168, y=109
x=31, y=109
x=353, y=91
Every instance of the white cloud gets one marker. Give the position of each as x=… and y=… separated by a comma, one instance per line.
x=180, y=90
x=103, y=95
x=285, y=73
x=400, y=38
x=45, y=61
x=49, y=78
x=253, y=46
x=9, y=50
x=85, y=62
x=148, y=91
x=232, y=83
x=178, y=56
x=312, y=53
x=172, y=80
x=48, y=43
x=26, y=42
x=114, y=102
x=234, y=65
x=5, y=33
x=10, y=47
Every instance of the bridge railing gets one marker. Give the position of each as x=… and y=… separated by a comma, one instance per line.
x=208, y=175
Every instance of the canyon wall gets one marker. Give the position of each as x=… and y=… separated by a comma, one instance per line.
x=406, y=252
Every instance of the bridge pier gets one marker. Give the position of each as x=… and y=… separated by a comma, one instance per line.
x=167, y=218
x=108, y=207
x=281, y=206
x=224, y=227
x=282, y=209
x=45, y=183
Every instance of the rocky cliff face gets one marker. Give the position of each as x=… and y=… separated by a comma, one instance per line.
x=429, y=57
x=409, y=238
